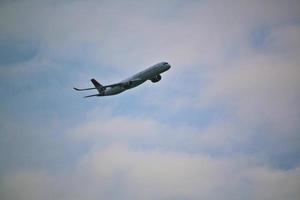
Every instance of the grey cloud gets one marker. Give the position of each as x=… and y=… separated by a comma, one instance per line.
x=261, y=92
x=118, y=172
x=121, y=31
x=16, y=51
x=257, y=89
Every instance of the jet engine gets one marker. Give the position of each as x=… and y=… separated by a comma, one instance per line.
x=156, y=78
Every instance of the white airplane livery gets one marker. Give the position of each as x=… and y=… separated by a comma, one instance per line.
x=152, y=73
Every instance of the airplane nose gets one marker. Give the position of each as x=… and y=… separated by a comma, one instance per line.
x=165, y=66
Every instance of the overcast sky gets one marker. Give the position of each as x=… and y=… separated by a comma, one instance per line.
x=223, y=123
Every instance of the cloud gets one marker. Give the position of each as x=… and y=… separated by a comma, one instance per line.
x=114, y=33
x=118, y=172
x=116, y=129
x=259, y=93
x=261, y=85
x=223, y=122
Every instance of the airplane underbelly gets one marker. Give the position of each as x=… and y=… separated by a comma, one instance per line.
x=114, y=90
x=136, y=83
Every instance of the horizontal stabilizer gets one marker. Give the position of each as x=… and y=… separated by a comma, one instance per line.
x=83, y=89
x=93, y=95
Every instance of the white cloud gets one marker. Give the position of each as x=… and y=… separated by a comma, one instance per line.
x=255, y=86
x=120, y=173
x=126, y=33
x=274, y=184
x=116, y=128
x=260, y=88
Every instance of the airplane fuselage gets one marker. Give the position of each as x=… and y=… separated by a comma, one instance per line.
x=137, y=79
x=152, y=73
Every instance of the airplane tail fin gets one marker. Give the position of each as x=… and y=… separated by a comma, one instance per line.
x=96, y=83
x=98, y=86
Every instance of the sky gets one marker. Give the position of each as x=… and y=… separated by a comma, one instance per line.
x=223, y=122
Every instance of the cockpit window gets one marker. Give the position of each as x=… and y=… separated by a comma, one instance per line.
x=165, y=63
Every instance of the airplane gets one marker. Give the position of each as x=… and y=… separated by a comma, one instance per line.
x=152, y=73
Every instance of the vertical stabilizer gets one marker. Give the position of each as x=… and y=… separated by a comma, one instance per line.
x=96, y=83
x=98, y=86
